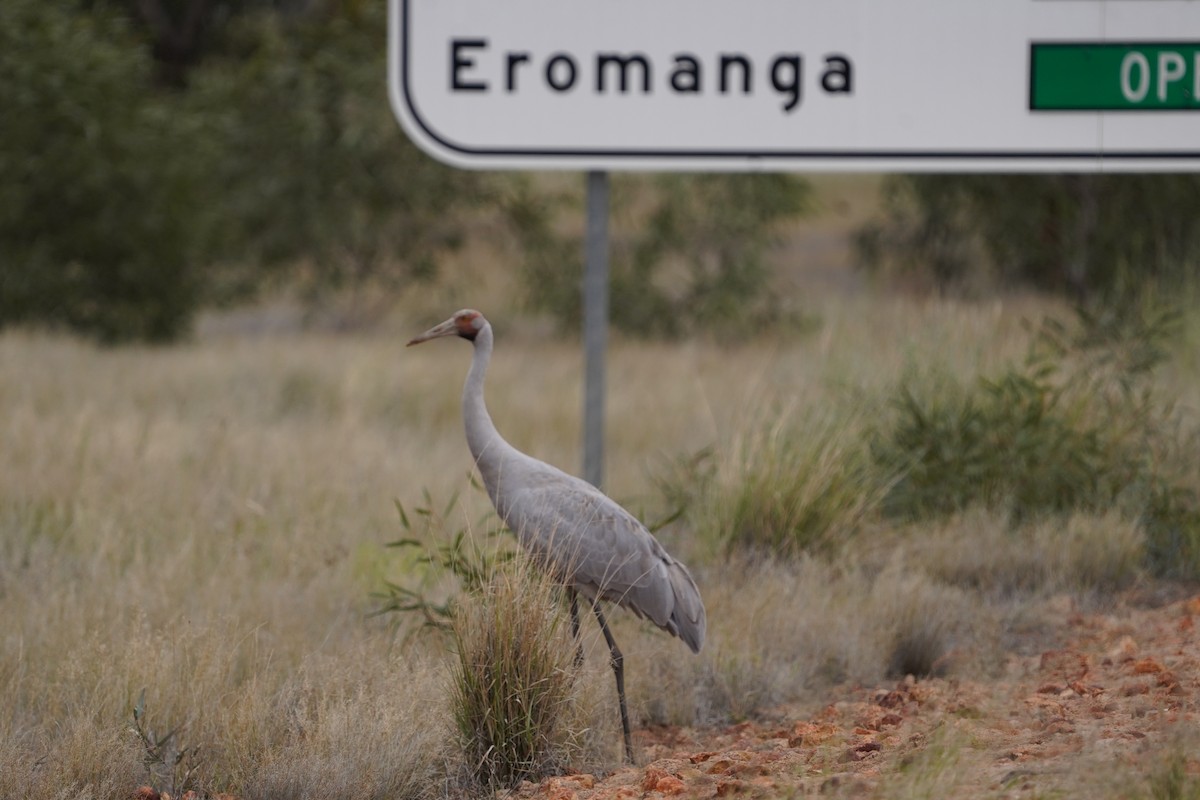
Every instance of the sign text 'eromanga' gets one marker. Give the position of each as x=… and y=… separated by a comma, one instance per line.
x=477, y=66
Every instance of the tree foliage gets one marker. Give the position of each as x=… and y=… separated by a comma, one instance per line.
x=696, y=257
x=160, y=155
x=1088, y=236
x=132, y=196
x=316, y=169
x=102, y=223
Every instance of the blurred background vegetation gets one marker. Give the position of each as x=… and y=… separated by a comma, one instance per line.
x=164, y=156
x=904, y=490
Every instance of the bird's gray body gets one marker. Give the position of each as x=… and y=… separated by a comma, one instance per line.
x=595, y=546
x=586, y=539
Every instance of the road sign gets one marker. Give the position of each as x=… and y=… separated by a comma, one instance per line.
x=800, y=84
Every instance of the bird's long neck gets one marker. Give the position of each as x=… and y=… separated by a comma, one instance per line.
x=487, y=446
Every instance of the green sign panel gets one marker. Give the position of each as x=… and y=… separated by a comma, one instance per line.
x=1111, y=76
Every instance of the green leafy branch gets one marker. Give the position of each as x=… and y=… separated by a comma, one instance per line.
x=445, y=550
x=164, y=758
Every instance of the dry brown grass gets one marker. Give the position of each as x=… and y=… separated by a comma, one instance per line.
x=207, y=523
x=522, y=708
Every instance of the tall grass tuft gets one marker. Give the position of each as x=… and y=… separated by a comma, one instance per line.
x=944, y=766
x=513, y=687
x=919, y=620
x=1171, y=780
x=784, y=484
x=1166, y=769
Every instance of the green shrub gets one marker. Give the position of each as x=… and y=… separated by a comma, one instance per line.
x=1076, y=426
x=447, y=553
x=1018, y=440
x=1171, y=519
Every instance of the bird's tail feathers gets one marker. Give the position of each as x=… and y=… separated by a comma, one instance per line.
x=688, y=617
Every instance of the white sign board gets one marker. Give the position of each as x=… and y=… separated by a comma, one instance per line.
x=904, y=85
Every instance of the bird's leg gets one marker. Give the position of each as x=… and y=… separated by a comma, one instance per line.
x=618, y=665
x=575, y=628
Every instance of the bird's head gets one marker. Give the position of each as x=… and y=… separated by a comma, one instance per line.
x=466, y=323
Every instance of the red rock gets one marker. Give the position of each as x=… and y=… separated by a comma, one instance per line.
x=144, y=793
x=1086, y=689
x=1059, y=726
x=669, y=785
x=727, y=788
x=859, y=752
x=696, y=758
x=811, y=734
x=651, y=777
x=565, y=787
x=1147, y=666
x=1126, y=650
x=1065, y=662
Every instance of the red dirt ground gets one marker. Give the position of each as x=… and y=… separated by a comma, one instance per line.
x=1113, y=689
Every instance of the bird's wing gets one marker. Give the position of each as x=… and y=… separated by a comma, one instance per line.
x=596, y=545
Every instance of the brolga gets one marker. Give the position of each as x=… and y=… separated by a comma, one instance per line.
x=590, y=544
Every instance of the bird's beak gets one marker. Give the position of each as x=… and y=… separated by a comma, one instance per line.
x=447, y=328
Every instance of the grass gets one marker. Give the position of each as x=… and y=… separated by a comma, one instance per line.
x=985, y=551
x=939, y=769
x=784, y=483
x=207, y=524
x=515, y=697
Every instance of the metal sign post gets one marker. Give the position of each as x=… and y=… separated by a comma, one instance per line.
x=595, y=325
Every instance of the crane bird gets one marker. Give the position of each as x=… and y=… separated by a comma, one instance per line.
x=589, y=543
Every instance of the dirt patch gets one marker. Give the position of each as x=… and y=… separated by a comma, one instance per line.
x=1113, y=688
